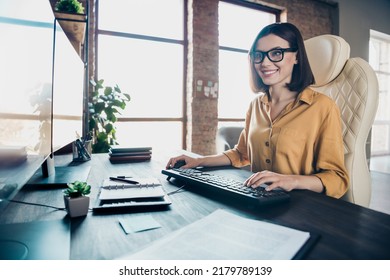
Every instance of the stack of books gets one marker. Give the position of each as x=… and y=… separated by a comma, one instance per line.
x=118, y=154
x=11, y=156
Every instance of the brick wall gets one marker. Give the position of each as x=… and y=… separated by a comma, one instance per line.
x=202, y=69
x=312, y=17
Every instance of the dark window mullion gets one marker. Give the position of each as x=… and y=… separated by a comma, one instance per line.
x=224, y=48
x=139, y=36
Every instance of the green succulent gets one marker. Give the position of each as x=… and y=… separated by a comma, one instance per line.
x=70, y=6
x=77, y=189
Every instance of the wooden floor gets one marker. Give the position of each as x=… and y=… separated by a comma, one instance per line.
x=380, y=176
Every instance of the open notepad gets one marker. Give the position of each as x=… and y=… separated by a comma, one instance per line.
x=116, y=195
x=226, y=236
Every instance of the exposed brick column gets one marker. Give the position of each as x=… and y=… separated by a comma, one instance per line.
x=91, y=57
x=202, y=76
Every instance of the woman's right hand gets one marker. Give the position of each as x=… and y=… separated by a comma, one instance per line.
x=184, y=162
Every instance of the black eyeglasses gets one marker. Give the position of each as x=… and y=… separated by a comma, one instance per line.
x=274, y=55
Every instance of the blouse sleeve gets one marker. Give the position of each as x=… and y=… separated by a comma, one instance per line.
x=330, y=155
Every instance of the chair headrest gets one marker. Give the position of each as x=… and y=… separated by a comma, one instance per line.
x=327, y=55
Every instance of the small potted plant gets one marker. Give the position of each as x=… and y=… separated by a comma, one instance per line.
x=76, y=198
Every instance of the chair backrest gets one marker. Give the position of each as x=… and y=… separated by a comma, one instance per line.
x=227, y=137
x=353, y=84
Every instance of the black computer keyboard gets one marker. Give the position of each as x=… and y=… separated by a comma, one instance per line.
x=200, y=180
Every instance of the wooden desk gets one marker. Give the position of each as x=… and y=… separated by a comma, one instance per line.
x=347, y=231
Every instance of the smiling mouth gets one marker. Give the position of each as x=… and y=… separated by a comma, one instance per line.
x=269, y=72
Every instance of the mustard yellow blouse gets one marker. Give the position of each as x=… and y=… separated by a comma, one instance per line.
x=305, y=139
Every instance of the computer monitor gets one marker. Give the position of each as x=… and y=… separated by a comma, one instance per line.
x=41, y=110
x=67, y=110
x=26, y=89
x=42, y=93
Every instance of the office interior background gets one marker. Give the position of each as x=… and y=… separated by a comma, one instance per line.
x=184, y=62
x=185, y=67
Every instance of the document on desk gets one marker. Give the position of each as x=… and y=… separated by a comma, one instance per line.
x=223, y=235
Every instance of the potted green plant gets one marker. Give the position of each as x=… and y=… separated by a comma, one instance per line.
x=76, y=198
x=106, y=103
x=69, y=6
x=73, y=20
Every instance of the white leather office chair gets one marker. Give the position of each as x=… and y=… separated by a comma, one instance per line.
x=353, y=84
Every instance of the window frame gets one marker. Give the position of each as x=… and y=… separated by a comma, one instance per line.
x=183, y=42
x=383, y=38
x=251, y=5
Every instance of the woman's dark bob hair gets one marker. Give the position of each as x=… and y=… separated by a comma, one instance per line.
x=302, y=76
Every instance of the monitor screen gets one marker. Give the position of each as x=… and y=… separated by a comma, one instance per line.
x=68, y=91
x=26, y=56
x=26, y=76
x=41, y=101
x=68, y=82
x=41, y=92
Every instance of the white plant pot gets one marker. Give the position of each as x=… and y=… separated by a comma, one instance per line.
x=77, y=206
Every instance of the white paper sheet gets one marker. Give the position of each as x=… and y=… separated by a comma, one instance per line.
x=223, y=235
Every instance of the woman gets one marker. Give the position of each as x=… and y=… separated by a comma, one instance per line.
x=292, y=136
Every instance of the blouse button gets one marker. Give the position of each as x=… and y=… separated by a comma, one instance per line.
x=267, y=144
x=268, y=160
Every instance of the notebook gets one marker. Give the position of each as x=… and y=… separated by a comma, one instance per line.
x=123, y=154
x=115, y=195
x=123, y=149
x=130, y=158
x=147, y=187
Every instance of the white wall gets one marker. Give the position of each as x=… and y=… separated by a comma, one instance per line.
x=357, y=17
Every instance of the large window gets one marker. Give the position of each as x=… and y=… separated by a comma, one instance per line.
x=380, y=61
x=141, y=49
x=238, y=26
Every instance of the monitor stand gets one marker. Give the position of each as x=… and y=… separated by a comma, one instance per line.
x=59, y=176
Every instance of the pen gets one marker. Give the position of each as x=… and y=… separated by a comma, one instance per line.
x=124, y=180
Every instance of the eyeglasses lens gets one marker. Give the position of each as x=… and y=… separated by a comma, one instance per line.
x=273, y=55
